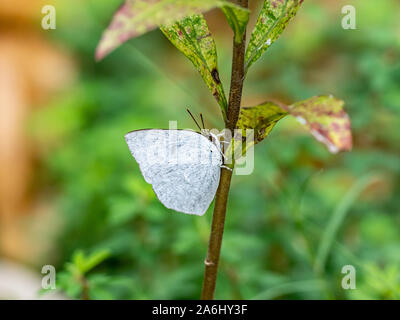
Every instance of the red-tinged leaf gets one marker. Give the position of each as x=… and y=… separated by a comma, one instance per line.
x=327, y=121
x=323, y=116
x=136, y=17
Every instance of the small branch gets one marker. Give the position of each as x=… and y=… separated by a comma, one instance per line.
x=237, y=79
x=85, y=288
x=217, y=230
x=221, y=199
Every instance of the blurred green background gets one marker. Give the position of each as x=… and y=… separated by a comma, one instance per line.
x=291, y=226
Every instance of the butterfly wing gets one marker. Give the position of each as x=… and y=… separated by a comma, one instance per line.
x=182, y=166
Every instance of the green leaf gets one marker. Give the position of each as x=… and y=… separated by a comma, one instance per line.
x=337, y=219
x=96, y=258
x=136, y=17
x=237, y=18
x=193, y=38
x=323, y=116
x=261, y=118
x=273, y=19
x=85, y=263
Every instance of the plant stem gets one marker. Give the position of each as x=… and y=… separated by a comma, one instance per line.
x=237, y=78
x=217, y=230
x=221, y=199
x=85, y=288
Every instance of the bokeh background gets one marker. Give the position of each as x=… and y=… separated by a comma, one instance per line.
x=72, y=196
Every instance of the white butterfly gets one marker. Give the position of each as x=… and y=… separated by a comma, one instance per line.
x=182, y=166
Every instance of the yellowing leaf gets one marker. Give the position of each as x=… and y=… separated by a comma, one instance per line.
x=323, y=116
x=273, y=19
x=237, y=18
x=136, y=17
x=327, y=121
x=193, y=38
x=261, y=118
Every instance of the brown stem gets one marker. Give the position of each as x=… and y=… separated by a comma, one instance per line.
x=221, y=199
x=237, y=78
x=85, y=288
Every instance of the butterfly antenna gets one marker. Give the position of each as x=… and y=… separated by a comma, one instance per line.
x=194, y=119
x=202, y=121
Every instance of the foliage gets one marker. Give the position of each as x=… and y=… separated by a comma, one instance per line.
x=279, y=215
x=237, y=19
x=272, y=21
x=323, y=116
x=136, y=17
x=192, y=36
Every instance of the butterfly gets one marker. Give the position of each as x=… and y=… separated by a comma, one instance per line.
x=183, y=166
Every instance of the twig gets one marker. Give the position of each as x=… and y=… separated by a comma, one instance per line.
x=85, y=288
x=218, y=220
